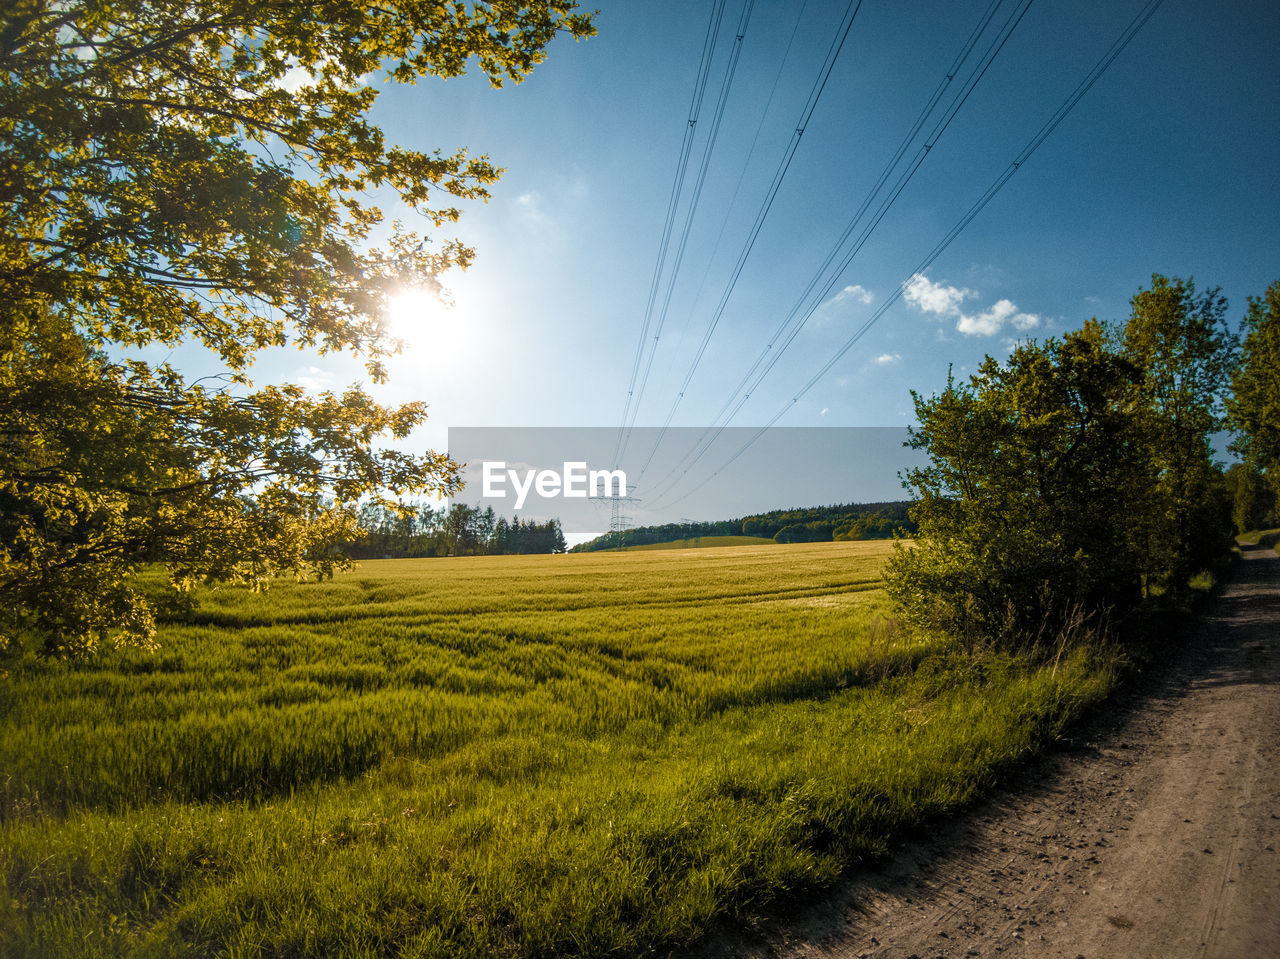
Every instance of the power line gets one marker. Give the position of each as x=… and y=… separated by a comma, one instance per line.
x=904, y=178
x=686, y=147
x=746, y=165
x=796, y=318
x=718, y=115
x=806, y=113
x=1032, y=145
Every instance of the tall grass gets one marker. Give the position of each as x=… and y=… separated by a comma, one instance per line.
x=533, y=756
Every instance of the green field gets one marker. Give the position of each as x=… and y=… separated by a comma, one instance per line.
x=589, y=754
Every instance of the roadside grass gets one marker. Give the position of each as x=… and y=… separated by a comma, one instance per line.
x=1260, y=537
x=528, y=756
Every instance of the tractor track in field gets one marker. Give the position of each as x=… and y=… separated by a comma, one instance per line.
x=1153, y=833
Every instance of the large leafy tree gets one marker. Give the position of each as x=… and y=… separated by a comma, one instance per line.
x=1024, y=508
x=1254, y=404
x=1179, y=337
x=201, y=172
x=1074, y=477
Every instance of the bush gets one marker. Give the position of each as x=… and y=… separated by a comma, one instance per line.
x=1025, y=510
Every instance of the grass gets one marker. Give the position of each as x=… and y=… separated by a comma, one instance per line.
x=704, y=542
x=592, y=754
x=1263, y=537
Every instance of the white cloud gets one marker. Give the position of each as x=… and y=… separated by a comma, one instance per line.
x=831, y=311
x=856, y=292
x=930, y=297
x=295, y=79
x=313, y=379
x=987, y=323
x=298, y=77
x=884, y=359
x=529, y=203
x=531, y=211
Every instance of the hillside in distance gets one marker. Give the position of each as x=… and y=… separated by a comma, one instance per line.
x=811, y=524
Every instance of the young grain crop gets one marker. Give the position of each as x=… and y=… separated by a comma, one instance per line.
x=537, y=756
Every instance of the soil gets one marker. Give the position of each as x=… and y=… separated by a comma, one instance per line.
x=1153, y=833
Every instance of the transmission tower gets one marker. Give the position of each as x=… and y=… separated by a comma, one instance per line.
x=619, y=521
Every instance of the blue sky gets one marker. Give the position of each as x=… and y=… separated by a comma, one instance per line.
x=1169, y=164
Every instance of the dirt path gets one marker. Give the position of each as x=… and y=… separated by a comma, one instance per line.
x=1156, y=835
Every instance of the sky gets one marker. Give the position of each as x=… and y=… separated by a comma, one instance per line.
x=1168, y=164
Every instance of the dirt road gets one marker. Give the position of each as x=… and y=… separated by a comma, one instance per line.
x=1154, y=835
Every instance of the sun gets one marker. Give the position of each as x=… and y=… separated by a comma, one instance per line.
x=419, y=316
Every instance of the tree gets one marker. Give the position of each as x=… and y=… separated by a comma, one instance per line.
x=501, y=536
x=1023, y=508
x=483, y=524
x=458, y=528
x=1180, y=340
x=1253, y=501
x=1074, y=477
x=200, y=172
x=1254, y=404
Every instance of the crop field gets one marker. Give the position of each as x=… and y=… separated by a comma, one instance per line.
x=588, y=754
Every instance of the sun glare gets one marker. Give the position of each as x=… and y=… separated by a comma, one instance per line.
x=418, y=316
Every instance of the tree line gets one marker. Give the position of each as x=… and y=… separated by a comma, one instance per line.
x=820, y=524
x=411, y=530
x=814, y=524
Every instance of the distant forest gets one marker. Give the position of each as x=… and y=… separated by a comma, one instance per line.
x=814, y=524
x=418, y=529
x=414, y=530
